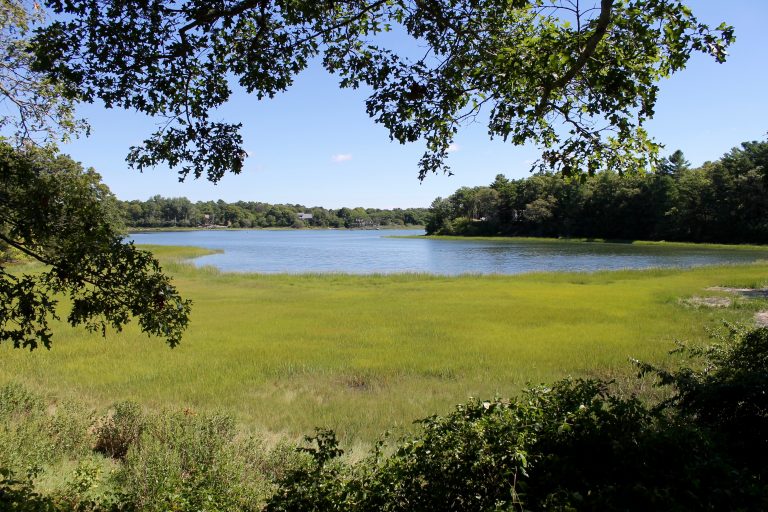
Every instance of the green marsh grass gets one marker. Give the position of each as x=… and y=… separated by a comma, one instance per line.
x=362, y=354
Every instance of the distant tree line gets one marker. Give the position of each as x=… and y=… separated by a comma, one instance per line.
x=723, y=201
x=163, y=212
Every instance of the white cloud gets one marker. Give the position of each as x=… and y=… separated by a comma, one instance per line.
x=453, y=147
x=341, y=157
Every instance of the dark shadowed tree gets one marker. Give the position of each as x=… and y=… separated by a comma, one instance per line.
x=724, y=201
x=54, y=211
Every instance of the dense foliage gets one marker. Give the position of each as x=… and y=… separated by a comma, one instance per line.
x=574, y=446
x=723, y=201
x=53, y=210
x=128, y=459
x=181, y=212
x=527, y=66
x=579, y=445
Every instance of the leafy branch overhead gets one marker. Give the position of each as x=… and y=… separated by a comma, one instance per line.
x=61, y=215
x=577, y=78
x=33, y=106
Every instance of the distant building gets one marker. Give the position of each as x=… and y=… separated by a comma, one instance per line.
x=305, y=216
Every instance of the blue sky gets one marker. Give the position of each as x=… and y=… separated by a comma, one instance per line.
x=315, y=145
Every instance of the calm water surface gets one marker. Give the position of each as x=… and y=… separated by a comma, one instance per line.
x=365, y=252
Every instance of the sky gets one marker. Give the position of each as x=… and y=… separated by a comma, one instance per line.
x=315, y=145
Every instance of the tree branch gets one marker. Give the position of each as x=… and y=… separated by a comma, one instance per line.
x=22, y=248
x=589, y=49
x=213, y=15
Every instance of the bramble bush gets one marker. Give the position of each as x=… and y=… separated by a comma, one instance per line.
x=194, y=461
x=35, y=434
x=166, y=461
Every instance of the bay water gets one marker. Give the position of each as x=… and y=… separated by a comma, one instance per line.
x=383, y=251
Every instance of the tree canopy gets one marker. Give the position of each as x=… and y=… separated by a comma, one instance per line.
x=33, y=107
x=674, y=164
x=62, y=215
x=163, y=212
x=725, y=201
x=577, y=78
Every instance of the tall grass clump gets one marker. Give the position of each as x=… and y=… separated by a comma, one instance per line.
x=36, y=434
x=188, y=461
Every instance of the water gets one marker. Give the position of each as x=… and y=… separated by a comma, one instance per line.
x=366, y=252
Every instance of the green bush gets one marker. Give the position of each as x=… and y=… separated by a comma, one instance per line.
x=16, y=401
x=466, y=227
x=20, y=495
x=35, y=434
x=175, y=461
x=186, y=461
x=726, y=395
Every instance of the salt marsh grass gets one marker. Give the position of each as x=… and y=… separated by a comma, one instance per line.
x=361, y=354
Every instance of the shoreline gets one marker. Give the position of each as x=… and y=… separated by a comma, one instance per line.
x=131, y=231
x=531, y=239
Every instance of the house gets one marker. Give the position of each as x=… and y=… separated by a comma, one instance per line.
x=305, y=216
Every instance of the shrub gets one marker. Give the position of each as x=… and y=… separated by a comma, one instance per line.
x=117, y=432
x=726, y=395
x=70, y=425
x=186, y=461
x=20, y=495
x=34, y=434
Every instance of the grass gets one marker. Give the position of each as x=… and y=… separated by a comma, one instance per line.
x=362, y=354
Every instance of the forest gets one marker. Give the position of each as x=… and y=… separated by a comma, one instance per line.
x=167, y=212
x=725, y=201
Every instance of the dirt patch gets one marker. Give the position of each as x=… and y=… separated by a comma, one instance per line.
x=761, y=317
x=708, y=302
x=749, y=293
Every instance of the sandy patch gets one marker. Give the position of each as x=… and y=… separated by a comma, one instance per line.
x=708, y=302
x=761, y=318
